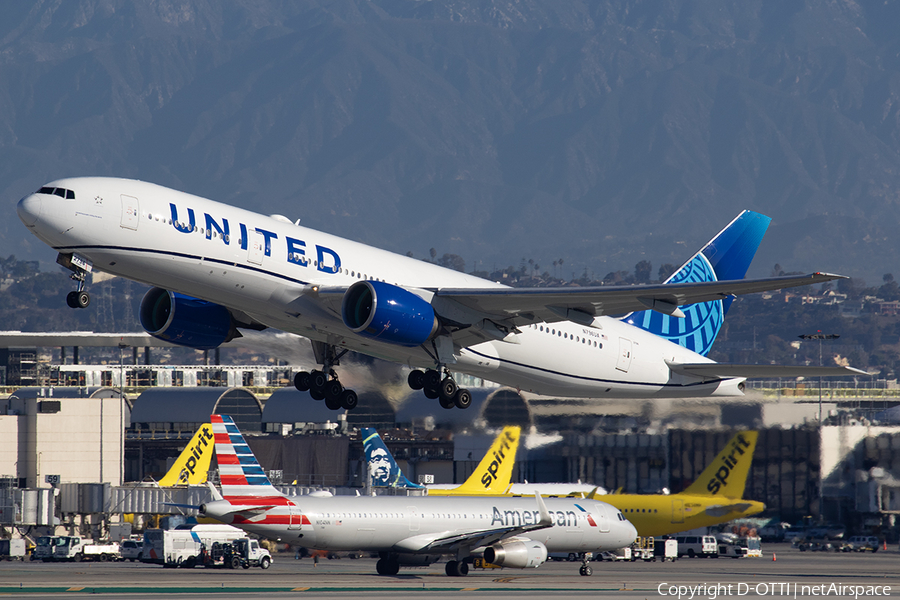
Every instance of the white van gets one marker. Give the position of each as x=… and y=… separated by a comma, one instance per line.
x=697, y=545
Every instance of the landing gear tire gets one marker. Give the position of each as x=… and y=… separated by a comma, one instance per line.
x=301, y=381
x=416, y=380
x=454, y=568
x=432, y=379
x=316, y=394
x=431, y=393
x=349, y=399
x=333, y=390
x=332, y=403
x=448, y=388
x=78, y=299
x=317, y=380
x=585, y=571
x=70, y=299
x=446, y=402
x=386, y=566
x=462, y=398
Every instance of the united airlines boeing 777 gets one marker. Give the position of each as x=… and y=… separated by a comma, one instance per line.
x=216, y=269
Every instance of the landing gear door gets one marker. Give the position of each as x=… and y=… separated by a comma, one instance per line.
x=131, y=212
x=256, y=247
x=624, y=361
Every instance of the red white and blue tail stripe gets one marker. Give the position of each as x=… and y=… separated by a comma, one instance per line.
x=239, y=471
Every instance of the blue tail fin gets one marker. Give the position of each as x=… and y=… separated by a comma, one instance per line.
x=726, y=257
x=383, y=469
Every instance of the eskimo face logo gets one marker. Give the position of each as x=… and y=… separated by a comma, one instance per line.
x=380, y=467
x=729, y=462
x=499, y=456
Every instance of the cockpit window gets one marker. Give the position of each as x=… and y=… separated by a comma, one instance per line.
x=61, y=192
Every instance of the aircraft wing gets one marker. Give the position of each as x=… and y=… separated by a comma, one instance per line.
x=719, y=370
x=581, y=304
x=478, y=314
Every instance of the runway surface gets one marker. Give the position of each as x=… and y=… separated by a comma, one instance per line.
x=793, y=575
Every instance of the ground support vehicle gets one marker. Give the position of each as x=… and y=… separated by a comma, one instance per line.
x=697, y=545
x=730, y=546
x=182, y=546
x=616, y=555
x=12, y=549
x=643, y=548
x=664, y=550
x=242, y=552
x=43, y=548
x=78, y=549
x=131, y=549
x=863, y=543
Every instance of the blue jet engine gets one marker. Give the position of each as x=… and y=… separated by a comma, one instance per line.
x=184, y=320
x=388, y=313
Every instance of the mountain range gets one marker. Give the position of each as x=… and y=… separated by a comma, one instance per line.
x=598, y=132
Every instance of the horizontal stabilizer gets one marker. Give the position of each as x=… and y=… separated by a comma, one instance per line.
x=761, y=371
x=723, y=510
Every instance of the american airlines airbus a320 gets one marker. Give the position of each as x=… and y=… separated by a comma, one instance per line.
x=217, y=269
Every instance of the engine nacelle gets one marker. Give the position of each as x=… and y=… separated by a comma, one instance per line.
x=184, y=320
x=388, y=313
x=519, y=554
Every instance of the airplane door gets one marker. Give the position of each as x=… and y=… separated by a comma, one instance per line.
x=624, y=361
x=256, y=248
x=413, y=518
x=296, y=518
x=603, y=521
x=677, y=511
x=131, y=212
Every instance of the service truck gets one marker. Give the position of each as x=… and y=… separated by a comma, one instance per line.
x=242, y=552
x=43, y=548
x=76, y=548
x=12, y=549
x=182, y=546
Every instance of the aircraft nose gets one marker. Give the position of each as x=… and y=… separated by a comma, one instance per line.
x=29, y=209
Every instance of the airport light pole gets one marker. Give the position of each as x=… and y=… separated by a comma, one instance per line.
x=819, y=336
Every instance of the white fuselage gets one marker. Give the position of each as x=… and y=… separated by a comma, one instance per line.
x=270, y=268
x=406, y=524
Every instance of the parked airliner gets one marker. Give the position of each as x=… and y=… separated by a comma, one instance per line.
x=216, y=269
x=409, y=530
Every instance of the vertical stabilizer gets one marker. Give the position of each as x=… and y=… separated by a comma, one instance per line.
x=726, y=257
x=192, y=465
x=726, y=475
x=493, y=474
x=383, y=469
x=239, y=471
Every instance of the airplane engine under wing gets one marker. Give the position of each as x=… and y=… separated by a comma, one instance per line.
x=518, y=554
x=388, y=313
x=184, y=320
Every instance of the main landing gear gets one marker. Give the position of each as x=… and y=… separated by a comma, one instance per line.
x=456, y=568
x=445, y=390
x=324, y=384
x=586, y=570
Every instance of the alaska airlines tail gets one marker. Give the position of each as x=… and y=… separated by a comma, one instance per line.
x=726, y=476
x=239, y=471
x=726, y=257
x=383, y=469
x=493, y=474
x=192, y=465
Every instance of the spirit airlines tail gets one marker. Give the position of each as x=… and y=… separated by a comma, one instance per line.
x=217, y=269
x=715, y=497
x=510, y=532
x=192, y=464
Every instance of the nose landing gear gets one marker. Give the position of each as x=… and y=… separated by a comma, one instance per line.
x=444, y=390
x=80, y=267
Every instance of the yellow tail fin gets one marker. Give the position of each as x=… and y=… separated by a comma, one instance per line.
x=726, y=476
x=192, y=465
x=493, y=474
